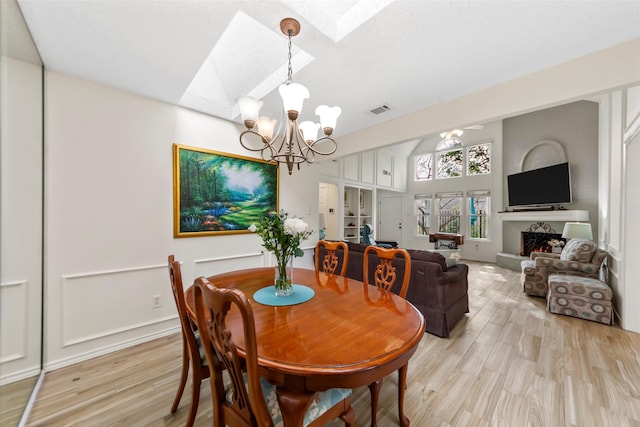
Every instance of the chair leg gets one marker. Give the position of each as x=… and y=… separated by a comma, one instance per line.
x=374, y=389
x=349, y=418
x=402, y=386
x=183, y=376
x=195, y=398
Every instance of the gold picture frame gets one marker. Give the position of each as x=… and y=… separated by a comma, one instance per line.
x=219, y=193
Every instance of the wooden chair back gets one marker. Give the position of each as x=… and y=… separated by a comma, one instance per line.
x=385, y=273
x=247, y=406
x=331, y=260
x=190, y=346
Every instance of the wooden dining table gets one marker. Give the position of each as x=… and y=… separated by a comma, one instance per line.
x=346, y=336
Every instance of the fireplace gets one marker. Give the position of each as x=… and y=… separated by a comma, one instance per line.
x=537, y=237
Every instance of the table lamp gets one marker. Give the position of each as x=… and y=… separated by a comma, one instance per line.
x=577, y=229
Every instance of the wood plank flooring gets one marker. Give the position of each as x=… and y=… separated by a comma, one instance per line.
x=508, y=363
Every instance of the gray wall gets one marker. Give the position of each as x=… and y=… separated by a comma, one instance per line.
x=575, y=127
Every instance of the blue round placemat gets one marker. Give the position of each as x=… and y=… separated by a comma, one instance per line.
x=267, y=296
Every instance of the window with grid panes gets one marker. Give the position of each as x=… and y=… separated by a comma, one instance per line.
x=478, y=202
x=422, y=211
x=449, y=212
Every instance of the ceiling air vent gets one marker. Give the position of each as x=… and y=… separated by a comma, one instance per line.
x=381, y=109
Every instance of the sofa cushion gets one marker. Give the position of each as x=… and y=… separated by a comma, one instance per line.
x=356, y=247
x=420, y=255
x=580, y=250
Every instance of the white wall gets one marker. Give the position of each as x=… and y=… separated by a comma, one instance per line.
x=619, y=174
x=21, y=220
x=109, y=204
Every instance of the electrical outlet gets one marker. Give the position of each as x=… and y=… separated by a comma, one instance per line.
x=156, y=301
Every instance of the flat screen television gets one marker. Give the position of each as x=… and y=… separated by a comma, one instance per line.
x=546, y=186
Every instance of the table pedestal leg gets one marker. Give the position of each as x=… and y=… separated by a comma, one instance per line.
x=293, y=406
x=402, y=385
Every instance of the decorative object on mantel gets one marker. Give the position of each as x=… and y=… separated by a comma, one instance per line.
x=540, y=227
x=556, y=245
x=282, y=235
x=577, y=229
x=294, y=143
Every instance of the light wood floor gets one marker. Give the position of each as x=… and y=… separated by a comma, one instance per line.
x=509, y=363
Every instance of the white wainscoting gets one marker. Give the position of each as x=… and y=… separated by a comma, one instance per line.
x=114, y=301
x=14, y=318
x=211, y=266
x=116, y=306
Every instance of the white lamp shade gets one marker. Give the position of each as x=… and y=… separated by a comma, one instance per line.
x=266, y=126
x=293, y=95
x=577, y=229
x=249, y=108
x=309, y=130
x=328, y=116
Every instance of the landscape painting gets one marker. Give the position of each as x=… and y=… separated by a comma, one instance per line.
x=219, y=193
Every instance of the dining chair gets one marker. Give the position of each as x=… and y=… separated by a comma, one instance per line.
x=330, y=261
x=249, y=400
x=192, y=351
x=384, y=277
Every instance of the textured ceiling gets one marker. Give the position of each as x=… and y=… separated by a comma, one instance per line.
x=407, y=54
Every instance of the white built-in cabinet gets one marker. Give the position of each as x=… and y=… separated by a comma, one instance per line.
x=384, y=169
x=351, y=167
x=359, y=175
x=357, y=211
x=367, y=167
x=359, y=167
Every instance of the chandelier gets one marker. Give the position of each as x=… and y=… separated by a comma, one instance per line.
x=293, y=143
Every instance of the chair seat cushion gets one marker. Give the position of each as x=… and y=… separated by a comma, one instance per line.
x=582, y=297
x=585, y=287
x=203, y=355
x=320, y=404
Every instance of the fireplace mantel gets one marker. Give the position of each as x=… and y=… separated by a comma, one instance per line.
x=536, y=216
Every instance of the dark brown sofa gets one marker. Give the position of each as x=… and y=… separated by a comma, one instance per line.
x=440, y=293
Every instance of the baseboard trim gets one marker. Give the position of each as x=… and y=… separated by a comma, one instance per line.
x=62, y=363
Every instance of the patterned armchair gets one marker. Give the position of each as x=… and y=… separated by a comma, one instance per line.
x=579, y=257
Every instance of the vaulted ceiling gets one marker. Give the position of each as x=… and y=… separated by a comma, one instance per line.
x=358, y=54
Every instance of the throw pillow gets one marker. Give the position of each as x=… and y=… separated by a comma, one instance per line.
x=451, y=256
x=577, y=249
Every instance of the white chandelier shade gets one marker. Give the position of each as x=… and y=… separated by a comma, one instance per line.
x=293, y=96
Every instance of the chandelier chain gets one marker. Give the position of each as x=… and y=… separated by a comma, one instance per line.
x=290, y=70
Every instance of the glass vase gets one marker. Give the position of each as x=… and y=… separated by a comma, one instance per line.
x=284, y=276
